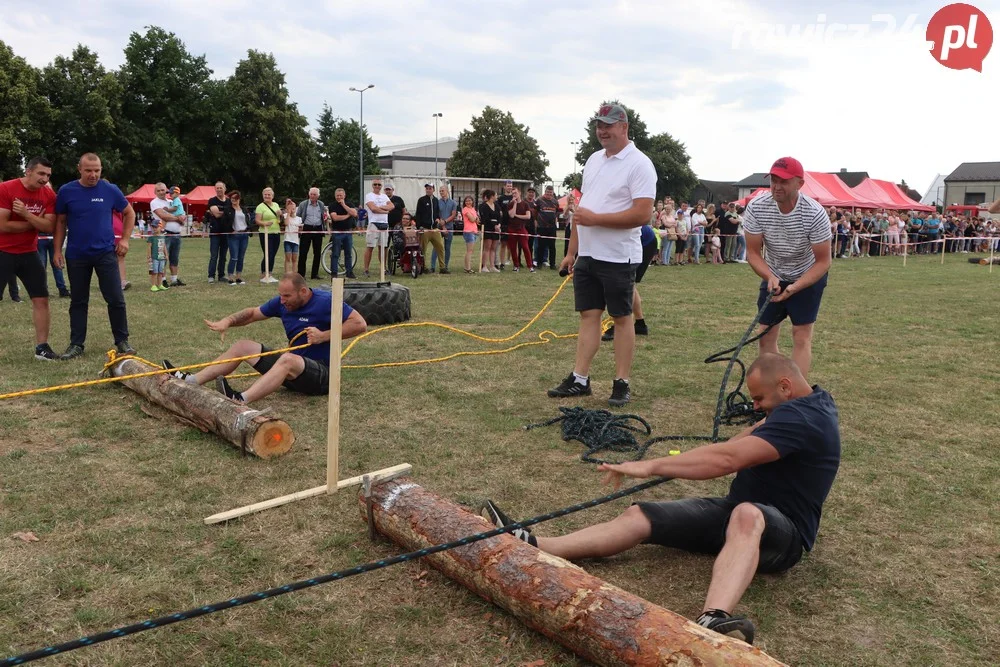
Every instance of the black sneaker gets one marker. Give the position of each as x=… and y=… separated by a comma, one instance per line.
x=609, y=334
x=72, y=352
x=737, y=627
x=63, y=293
x=620, y=394
x=640, y=328
x=164, y=284
x=178, y=283
x=223, y=387
x=495, y=515
x=45, y=353
x=570, y=387
x=180, y=375
x=124, y=347
x=17, y=299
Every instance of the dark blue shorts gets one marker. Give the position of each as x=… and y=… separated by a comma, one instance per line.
x=802, y=307
x=699, y=525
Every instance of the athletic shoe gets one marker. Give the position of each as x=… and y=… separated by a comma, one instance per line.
x=609, y=334
x=154, y=288
x=72, y=352
x=641, y=329
x=164, y=284
x=124, y=347
x=232, y=282
x=532, y=270
x=570, y=387
x=45, y=353
x=178, y=283
x=737, y=627
x=17, y=299
x=211, y=280
x=126, y=285
x=64, y=292
x=516, y=269
x=223, y=387
x=240, y=281
x=620, y=394
x=180, y=375
x=495, y=516
x=351, y=276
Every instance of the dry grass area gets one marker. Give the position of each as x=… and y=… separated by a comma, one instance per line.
x=905, y=571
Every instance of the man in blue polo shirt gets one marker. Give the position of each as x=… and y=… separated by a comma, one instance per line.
x=785, y=466
x=84, y=218
x=305, y=371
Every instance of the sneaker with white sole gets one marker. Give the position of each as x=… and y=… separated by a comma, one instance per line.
x=621, y=394
x=180, y=375
x=45, y=353
x=224, y=388
x=569, y=388
x=737, y=627
x=495, y=515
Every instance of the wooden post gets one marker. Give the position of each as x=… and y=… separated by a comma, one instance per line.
x=333, y=398
x=482, y=247
x=238, y=424
x=991, y=255
x=906, y=245
x=599, y=622
x=943, y=243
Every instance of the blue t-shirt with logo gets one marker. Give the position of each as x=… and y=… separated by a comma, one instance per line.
x=806, y=434
x=90, y=232
x=315, y=313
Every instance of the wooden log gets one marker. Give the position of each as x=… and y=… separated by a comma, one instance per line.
x=234, y=422
x=597, y=621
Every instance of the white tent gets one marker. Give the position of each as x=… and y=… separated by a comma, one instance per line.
x=935, y=193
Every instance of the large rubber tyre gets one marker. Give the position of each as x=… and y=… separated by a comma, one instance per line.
x=379, y=303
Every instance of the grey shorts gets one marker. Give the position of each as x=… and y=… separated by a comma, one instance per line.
x=314, y=379
x=599, y=285
x=699, y=525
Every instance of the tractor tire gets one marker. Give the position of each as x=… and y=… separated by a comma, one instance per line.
x=378, y=303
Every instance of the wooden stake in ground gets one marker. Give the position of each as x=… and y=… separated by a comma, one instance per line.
x=482, y=246
x=942, y=250
x=599, y=622
x=240, y=425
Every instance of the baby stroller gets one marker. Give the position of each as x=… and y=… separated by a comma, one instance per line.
x=406, y=255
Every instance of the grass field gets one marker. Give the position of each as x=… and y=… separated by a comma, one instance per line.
x=905, y=570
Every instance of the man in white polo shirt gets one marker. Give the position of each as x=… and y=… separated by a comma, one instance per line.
x=795, y=230
x=379, y=206
x=619, y=186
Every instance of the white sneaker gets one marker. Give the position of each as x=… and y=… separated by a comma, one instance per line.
x=211, y=280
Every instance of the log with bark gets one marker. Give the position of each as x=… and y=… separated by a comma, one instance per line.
x=599, y=622
x=240, y=425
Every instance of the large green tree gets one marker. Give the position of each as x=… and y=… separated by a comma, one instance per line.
x=674, y=176
x=266, y=141
x=75, y=114
x=19, y=101
x=337, y=143
x=169, y=123
x=497, y=146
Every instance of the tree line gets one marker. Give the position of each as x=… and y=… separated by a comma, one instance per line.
x=163, y=117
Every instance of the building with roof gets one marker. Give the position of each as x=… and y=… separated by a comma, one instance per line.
x=714, y=192
x=751, y=183
x=417, y=159
x=972, y=183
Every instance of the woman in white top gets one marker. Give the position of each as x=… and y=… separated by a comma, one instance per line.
x=293, y=224
x=697, y=234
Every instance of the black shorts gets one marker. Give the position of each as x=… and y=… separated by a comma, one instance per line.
x=28, y=267
x=649, y=251
x=314, y=379
x=679, y=245
x=699, y=525
x=598, y=285
x=802, y=307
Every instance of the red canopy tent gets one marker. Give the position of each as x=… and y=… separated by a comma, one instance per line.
x=196, y=201
x=816, y=187
x=140, y=198
x=576, y=194
x=742, y=203
x=840, y=190
x=889, y=195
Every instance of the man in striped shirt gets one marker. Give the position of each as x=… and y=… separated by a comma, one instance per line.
x=788, y=245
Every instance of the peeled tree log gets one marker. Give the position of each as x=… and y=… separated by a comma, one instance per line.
x=236, y=423
x=597, y=621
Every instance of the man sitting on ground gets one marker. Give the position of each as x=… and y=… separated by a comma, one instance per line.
x=305, y=371
x=785, y=466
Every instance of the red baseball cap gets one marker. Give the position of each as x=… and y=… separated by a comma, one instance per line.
x=787, y=167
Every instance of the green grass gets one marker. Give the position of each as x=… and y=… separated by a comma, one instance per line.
x=905, y=570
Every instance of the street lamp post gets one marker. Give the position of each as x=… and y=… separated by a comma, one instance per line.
x=575, y=143
x=436, y=117
x=361, y=143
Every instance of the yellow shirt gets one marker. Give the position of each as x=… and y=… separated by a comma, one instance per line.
x=269, y=214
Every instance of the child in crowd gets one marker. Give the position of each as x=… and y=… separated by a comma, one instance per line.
x=716, y=247
x=176, y=205
x=293, y=224
x=157, y=259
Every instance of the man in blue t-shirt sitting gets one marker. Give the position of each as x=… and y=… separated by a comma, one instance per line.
x=785, y=465
x=305, y=371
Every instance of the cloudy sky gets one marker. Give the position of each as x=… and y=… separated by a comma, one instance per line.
x=739, y=82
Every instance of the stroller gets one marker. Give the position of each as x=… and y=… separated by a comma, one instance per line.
x=406, y=255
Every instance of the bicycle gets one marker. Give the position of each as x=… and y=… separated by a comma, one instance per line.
x=341, y=268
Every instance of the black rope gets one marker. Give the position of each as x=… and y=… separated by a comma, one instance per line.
x=170, y=619
x=604, y=431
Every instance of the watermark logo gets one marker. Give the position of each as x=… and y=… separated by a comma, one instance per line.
x=822, y=31
x=960, y=37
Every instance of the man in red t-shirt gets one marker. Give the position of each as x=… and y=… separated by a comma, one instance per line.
x=28, y=206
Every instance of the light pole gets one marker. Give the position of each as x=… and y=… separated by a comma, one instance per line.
x=575, y=143
x=361, y=143
x=436, y=117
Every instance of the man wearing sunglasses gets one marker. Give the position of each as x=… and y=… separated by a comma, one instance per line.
x=379, y=206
